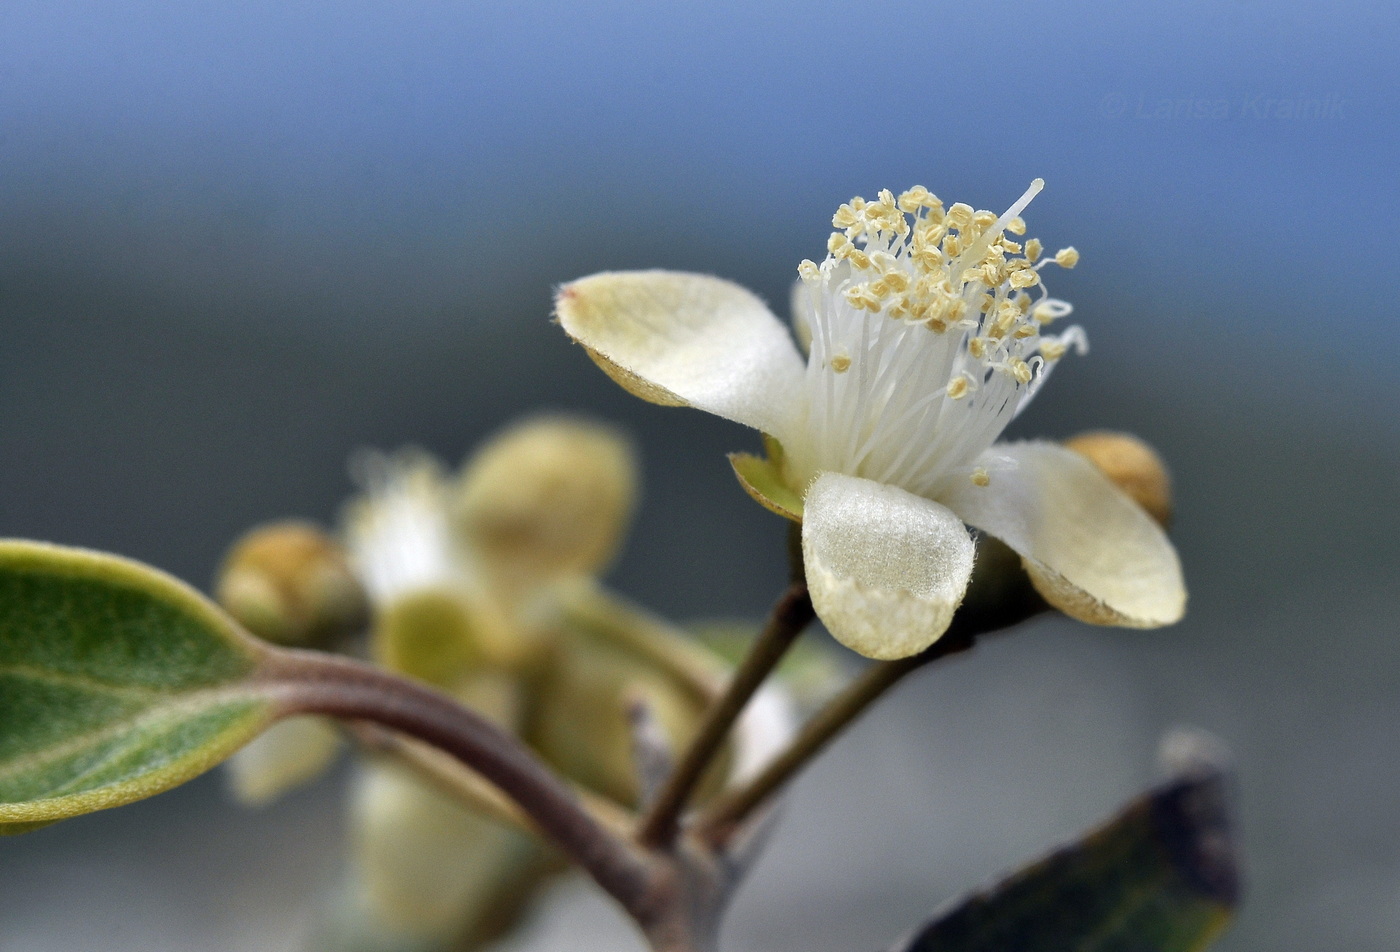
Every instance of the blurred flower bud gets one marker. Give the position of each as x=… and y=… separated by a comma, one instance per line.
x=581, y=725
x=428, y=874
x=290, y=583
x=1132, y=465
x=547, y=498
x=285, y=756
x=441, y=636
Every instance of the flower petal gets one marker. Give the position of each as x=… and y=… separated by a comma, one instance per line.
x=886, y=568
x=1090, y=550
x=688, y=340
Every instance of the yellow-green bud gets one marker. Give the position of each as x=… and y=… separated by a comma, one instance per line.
x=1132, y=466
x=581, y=725
x=440, y=636
x=290, y=583
x=547, y=499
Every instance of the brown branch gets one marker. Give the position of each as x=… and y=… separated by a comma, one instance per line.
x=981, y=614
x=790, y=615
x=312, y=683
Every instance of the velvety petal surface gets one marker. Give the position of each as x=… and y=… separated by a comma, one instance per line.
x=1090, y=550
x=688, y=340
x=886, y=568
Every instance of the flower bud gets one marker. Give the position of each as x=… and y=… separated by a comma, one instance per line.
x=581, y=725
x=290, y=583
x=547, y=499
x=1132, y=466
x=426, y=873
x=442, y=636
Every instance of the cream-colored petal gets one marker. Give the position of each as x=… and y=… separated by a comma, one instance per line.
x=1090, y=550
x=688, y=339
x=886, y=568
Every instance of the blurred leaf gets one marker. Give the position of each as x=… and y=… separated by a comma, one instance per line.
x=116, y=682
x=1160, y=877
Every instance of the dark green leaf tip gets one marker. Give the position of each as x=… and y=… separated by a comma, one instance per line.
x=1162, y=876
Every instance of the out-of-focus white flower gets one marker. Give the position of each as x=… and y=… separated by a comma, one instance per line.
x=926, y=336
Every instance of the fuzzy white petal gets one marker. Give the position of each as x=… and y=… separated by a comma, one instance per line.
x=688, y=340
x=886, y=568
x=1090, y=550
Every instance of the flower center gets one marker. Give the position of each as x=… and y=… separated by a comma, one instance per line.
x=926, y=338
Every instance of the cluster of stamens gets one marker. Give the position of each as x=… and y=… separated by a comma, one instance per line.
x=947, y=269
x=927, y=335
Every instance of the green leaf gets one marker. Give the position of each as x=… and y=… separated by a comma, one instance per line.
x=1162, y=876
x=117, y=682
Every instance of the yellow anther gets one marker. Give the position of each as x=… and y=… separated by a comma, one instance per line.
x=1020, y=370
x=952, y=246
x=1042, y=314
x=859, y=259
x=879, y=288
x=897, y=281
x=980, y=477
x=840, y=363
x=936, y=325
x=883, y=261
x=1023, y=331
x=1017, y=225
x=838, y=245
x=1009, y=247
x=1052, y=349
x=1033, y=250
x=916, y=198
x=1001, y=326
x=984, y=220
x=959, y=216
x=977, y=347
x=809, y=271
x=928, y=259
x=845, y=217
x=1067, y=257
x=957, y=388
x=1024, y=278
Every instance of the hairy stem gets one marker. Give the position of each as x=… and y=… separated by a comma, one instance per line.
x=789, y=616
x=314, y=683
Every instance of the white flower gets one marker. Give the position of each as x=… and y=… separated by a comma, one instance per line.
x=925, y=335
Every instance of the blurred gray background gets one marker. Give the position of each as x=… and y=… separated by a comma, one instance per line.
x=238, y=241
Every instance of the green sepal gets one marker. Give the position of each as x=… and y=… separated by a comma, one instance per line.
x=763, y=480
x=1162, y=876
x=117, y=682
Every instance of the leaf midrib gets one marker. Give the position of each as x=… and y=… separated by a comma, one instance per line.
x=134, y=692
x=191, y=702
